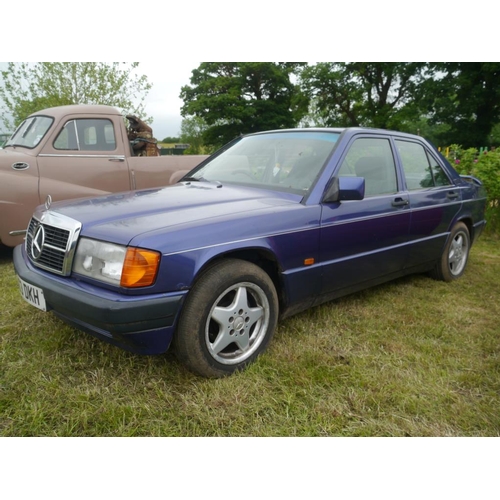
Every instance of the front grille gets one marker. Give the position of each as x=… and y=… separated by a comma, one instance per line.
x=53, y=249
x=56, y=237
x=51, y=241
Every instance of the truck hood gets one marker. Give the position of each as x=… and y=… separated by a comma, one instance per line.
x=122, y=217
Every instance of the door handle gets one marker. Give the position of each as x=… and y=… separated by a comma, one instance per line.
x=400, y=202
x=20, y=165
x=452, y=195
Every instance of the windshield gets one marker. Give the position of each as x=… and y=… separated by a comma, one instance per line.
x=30, y=132
x=288, y=161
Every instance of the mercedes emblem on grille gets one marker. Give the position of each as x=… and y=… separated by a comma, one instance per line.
x=37, y=242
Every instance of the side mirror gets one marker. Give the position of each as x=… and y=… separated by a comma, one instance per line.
x=345, y=188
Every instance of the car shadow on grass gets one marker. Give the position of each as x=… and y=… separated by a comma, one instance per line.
x=5, y=254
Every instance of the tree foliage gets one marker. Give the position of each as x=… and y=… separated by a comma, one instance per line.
x=465, y=97
x=485, y=165
x=240, y=98
x=26, y=88
x=362, y=94
x=192, y=130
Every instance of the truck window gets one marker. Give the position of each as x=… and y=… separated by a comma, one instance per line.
x=88, y=134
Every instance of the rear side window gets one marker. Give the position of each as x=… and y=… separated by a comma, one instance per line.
x=87, y=135
x=421, y=169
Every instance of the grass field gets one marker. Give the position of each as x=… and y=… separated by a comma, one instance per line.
x=414, y=357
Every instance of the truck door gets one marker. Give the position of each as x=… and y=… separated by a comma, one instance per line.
x=84, y=157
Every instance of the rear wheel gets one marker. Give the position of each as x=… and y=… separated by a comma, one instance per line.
x=227, y=320
x=455, y=255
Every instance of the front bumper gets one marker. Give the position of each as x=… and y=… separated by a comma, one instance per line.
x=142, y=324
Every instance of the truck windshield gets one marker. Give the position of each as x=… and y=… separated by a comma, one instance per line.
x=287, y=161
x=30, y=132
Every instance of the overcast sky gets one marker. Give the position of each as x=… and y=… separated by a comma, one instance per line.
x=163, y=102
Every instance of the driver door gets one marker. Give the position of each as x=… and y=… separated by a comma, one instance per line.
x=83, y=159
x=363, y=242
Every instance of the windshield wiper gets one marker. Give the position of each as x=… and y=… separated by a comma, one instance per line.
x=193, y=179
x=201, y=179
x=28, y=128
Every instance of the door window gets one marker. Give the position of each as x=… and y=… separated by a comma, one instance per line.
x=372, y=159
x=87, y=135
x=421, y=169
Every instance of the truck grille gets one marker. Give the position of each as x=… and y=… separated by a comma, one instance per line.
x=51, y=240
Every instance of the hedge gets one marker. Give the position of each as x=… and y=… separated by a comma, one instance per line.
x=485, y=165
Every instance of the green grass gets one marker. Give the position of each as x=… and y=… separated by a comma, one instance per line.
x=414, y=357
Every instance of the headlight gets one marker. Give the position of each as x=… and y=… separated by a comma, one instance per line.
x=115, y=264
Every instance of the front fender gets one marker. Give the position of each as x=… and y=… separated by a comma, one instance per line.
x=19, y=195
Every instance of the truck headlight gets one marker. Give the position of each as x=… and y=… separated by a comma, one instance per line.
x=129, y=267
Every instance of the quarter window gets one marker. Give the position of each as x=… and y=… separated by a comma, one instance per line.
x=421, y=169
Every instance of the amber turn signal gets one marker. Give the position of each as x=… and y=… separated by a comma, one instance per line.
x=139, y=268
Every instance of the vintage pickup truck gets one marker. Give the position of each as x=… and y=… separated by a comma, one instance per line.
x=72, y=152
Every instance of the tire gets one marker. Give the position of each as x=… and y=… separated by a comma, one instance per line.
x=227, y=320
x=455, y=255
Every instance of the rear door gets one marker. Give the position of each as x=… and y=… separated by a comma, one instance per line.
x=364, y=242
x=434, y=201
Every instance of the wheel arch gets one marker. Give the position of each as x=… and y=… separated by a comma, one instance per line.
x=467, y=220
x=259, y=256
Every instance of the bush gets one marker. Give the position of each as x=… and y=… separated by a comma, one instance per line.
x=485, y=165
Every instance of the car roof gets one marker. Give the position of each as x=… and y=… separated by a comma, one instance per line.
x=345, y=130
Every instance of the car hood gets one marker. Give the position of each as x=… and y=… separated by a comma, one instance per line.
x=125, y=216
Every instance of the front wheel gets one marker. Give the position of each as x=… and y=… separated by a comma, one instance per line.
x=227, y=320
x=455, y=255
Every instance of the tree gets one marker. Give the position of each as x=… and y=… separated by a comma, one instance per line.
x=362, y=94
x=240, y=98
x=192, y=130
x=170, y=140
x=466, y=97
x=494, y=138
x=26, y=88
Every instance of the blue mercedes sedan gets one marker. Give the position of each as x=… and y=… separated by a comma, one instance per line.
x=271, y=224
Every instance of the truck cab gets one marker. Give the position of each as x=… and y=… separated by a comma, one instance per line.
x=72, y=152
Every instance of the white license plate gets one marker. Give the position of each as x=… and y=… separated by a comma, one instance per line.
x=32, y=294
